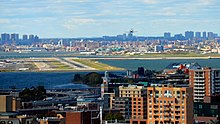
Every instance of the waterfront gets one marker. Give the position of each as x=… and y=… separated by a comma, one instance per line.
x=64, y=79
x=159, y=64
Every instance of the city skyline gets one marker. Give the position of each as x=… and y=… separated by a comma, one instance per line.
x=87, y=18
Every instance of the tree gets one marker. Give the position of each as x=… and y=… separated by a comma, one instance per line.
x=93, y=79
x=113, y=116
x=32, y=94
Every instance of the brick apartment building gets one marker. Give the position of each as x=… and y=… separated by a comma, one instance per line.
x=164, y=104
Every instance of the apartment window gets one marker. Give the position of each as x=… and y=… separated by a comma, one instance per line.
x=214, y=106
x=182, y=101
x=200, y=106
x=183, y=117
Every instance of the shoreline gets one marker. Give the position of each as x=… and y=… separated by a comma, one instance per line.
x=150, y=58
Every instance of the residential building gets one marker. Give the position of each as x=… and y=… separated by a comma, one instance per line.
x=123, y=104
x=167, y=35
x=169, y=104
x=205, y=82
x=204, y=35
x=198, y=34
x=14, y=37
x=215, y=81
x=78, y=117
x=200, y=80
x=210, y=35
x=138, y=101
x=189, y=35
x=8, y=103
x=5, y=37
x=25, y=37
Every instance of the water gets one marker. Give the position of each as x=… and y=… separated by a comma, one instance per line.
x=29, y=79
x=50, y=80
x=64, y=79
x=159, y=64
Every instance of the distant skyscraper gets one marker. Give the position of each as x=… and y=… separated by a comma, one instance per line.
x=31, y=37
x=198, y=34
x=36, y=38
x=210, y=35
x=178, y=37
x=124, y=36
x=167, y=35
x=189, y=35
x=25, y=37
x=204, y=34
x=5, y=37
x=14, y=37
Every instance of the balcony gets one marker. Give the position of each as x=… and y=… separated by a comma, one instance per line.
x=201, y=95
x=199, y=84
x=199, y=90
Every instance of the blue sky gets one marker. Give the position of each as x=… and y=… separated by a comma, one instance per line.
x=94, y=18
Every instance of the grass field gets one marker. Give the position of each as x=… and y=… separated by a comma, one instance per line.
x=58, y=65
x=97, y=65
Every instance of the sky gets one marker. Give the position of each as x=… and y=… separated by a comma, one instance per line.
x=96, y=18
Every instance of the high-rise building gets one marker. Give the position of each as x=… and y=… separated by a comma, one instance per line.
x=25, y=37
x=167, y=35
x=169, y=105
x=198, y=34
x=138, y=95
x=124, y=36
x=178, y=36
x=205, y=82
x=210, y=35
x=36, y=38
x=204, y=35
x=8, y=103
x=5, y=37
x=189, y=35
x=14, y=37
x=123, y=104
x=200, y=80
x=215, y=83
x=31, y=37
